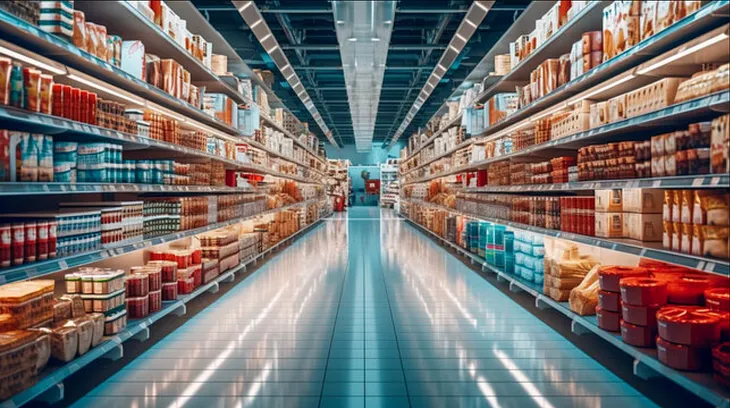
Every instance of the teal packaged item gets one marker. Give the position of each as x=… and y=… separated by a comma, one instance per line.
x=143, y=171
x=484, y=228
x=93, y=174
x=128, y=172
x=64, y=172
x=92, y=154
x=538, y=278
x=489, y=252
x=509, y=265
x=65, y=152
x=17, y=88
x=526, y=273
x=509, y=243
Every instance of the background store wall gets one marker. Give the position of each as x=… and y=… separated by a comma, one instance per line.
x=376, y=156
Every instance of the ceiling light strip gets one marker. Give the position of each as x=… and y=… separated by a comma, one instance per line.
x=443, y=65
x=253, y=17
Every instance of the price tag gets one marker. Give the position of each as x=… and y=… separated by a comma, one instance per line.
x=710, y=267
x=656, y=183
x=714, y=181
x=697, y=182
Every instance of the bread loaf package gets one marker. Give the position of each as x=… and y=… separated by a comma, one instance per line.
x=584, y=297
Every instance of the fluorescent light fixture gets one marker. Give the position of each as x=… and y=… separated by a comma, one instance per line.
x=257, y=22
x=375, y=39
x=103, y=88
x=481, y=6
x=352, y=39
x=459, y=36
x=166, y=113
x=264, y=38
x=245, y=6
x=31, y=61
x=470, y=22
x=683, y=53
x=340, y=22
x=272, y=49
x=293, y=74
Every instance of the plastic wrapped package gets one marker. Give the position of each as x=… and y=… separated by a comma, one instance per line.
x=97, y=320
x=104, y=303
x=8, y=322
x=64, y=342
x=85, y=331
x=688, y=289
x=30, y=302
x=77, y=305
x=115, y=323
x=18, y=348
x=584, y=297
x=168, y=269
x=155, y=301
x=43, y=346
x=61, y=310
x=185, y=286
x=640, y=315
x=154, y=276
x=16, y=381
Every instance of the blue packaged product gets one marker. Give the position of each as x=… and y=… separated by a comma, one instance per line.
x=93, y=174
x=64, y=172
x=509, y=265
x=484, y=228
x=509, y=243
x=143, y=172
x=65, y=152
x=90, y=154
x=538, y=278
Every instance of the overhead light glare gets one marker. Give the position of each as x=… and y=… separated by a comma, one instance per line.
x=375, y=39
x=454, y=48
x=255, y=23
x=352, y=39
x=466, y=20
x=32, y=61
x=604, y=88
x=482, y=6
x=683, y=53
x=105, y=89
x=245, y=6
x=269, y=51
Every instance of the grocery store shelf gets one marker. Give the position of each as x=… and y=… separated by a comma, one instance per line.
x=643, y=249
x=694, y=182
x=453, y=122
x=694, y=110
x=18, y=119
x=465, y=143
x=704, y=20
x=140, y=327
x=29, y=188
x=38, y=269
x=698, y=383
x=288, y=134
x=62, y=51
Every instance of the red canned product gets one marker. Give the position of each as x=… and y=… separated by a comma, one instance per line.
x=639, y=336
x=169, y=290
x=197, y=256
x=42, y=247
x=75, y=103
x=185, y=286
x=57, y=106
x=155, y=301
x=18, y=244
x=137, y=285
x=31, y=238
x=92, y=108
x=138, y=307
x=640, y=315
x=168, y=270
x=609, y=301
x=688, y=289
x=84, y=106
x=689, y=325
x=52, y=239
x=682, y=357
x=609, y=276
x=643, y=291
x=6, y=244
x=718, y=299
x=609, y=321
x=67, y=101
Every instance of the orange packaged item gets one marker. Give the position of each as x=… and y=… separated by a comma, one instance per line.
x=609, y=301
x=688, y=289
x=29, y=302
x=689, y=325
x=79, y=37
x=639, y=336
x=609, y=321
x=718, y=299
x=640, y=315
x=683, y=357
x=610, y=276
x=643, y=291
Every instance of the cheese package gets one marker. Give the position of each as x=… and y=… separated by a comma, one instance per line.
x=646, y=201
x=608, y=200
x=609, y=224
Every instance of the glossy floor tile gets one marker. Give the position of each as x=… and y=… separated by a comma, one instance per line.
x=364, y=311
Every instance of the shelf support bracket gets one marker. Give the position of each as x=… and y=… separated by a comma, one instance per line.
x=214, y=288
x=230, y=278
x=514, y=288
x=501, y=278
x=181, y=310
x=578, y=328
x=143, y=335
x=115, y=353
x=541, y=304
x=643, y=371
x=51, y=395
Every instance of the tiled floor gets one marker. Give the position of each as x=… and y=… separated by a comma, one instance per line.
x=364, y=311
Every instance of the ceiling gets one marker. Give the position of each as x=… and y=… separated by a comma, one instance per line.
x=421, y=32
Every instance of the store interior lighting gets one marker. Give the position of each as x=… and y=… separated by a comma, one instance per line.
x=255, y=20
x=363, y=40
x=472, y=19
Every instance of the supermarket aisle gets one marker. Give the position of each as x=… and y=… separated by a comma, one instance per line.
x=364, y=311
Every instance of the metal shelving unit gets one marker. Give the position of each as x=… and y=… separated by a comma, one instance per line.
x=646, y=364
x=642, y=249
x=43, y=268
x=50, y=387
